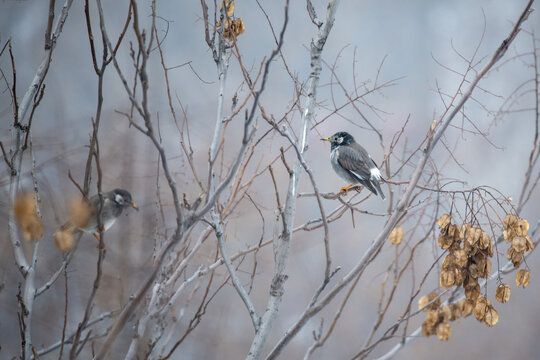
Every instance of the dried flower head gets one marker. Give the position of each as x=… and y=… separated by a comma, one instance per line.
x=63, y=239
x=25, y=210
x=80, y=212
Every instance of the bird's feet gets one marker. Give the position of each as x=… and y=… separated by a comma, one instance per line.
x=96, y=236
x=346, y=189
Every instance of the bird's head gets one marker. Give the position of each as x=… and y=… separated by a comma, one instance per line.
x=123, y=198
x=340, y=138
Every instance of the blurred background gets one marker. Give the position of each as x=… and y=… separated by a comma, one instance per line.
x=416, y=47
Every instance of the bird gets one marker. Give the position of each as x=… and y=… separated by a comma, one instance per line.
x=114, y=203
x=353, y=163
x=84, y=213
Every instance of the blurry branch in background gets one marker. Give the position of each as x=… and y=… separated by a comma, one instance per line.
x=184, y=220
x=20, y=135
x=433, y=136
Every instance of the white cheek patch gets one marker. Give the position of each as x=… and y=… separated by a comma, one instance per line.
x=375, y=173
x=118, y=199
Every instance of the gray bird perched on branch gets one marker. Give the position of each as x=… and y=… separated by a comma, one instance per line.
x=84, y=213
x=114, y=202
x=353, y=163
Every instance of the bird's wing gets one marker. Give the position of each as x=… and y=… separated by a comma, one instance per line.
x=357, y=162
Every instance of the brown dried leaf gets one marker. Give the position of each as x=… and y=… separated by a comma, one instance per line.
x=443, y=331
x=396, y=235
x=63, y=239
x=432, y=317
x=503, y=293
x=523, y=277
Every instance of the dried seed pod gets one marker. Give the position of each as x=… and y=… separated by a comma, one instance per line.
x=432, y=317
x=465, y=307
x=519, y=244
x=448, y=262
x=427, y=330
x=509, y=234
x=510, y=221
x=481, y=308
x=485, y=241
x=443, y=331
x=530, y=245
x=456, y=312
x=474, y=270
x=515, y=256
x=503, y=293
x=464, y=231
x=491, y=316
x=63, y=239
x=522, y=227
x=445, y=241
x=396, y=236
x=459, y=276
x=445, y=313
x=448, y=278
x=460, y=258
x=472, y=291
x=444, y=221
x=523, y=277
x=426, y=299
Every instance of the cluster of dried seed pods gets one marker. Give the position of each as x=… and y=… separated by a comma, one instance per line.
x=468, y=259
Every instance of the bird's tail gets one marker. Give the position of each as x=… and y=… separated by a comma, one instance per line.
x=375, y=182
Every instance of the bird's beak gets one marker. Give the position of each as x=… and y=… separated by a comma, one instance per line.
x=325, y=139
x=133, y=205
